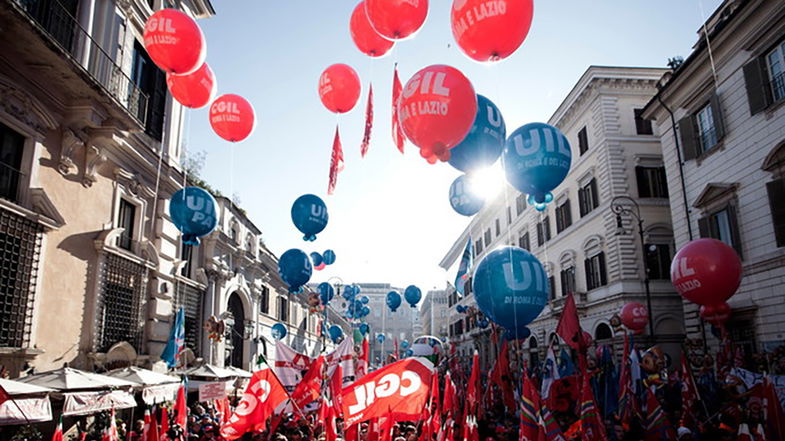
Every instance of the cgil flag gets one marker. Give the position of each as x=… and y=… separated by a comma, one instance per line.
x=176, y=340
x=262, y=396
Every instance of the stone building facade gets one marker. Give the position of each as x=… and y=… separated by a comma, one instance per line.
x=724, y=151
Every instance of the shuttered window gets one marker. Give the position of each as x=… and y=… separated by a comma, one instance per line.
x=588, y=198
x=520, y=204
x=652, y=182
x=642, y=126
x=596, y=275
x=776, y=191
x=563, y=216
x=543, y=231
x=583, y=141
x=703, y=130
x=568, y=281
x=152, y=81
x=722, y=225
x=524, y=242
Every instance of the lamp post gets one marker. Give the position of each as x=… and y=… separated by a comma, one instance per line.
x=625, y=205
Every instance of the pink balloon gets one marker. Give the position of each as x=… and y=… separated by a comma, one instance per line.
x=634, y=316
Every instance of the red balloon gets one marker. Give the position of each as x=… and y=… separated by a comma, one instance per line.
x=320, y=267
x=716, y=315
x=232, y=117
x=706, y=272
x=490, y=30
x=193, y=90
x=365, y=37
x=634, y=316
x=174, y=42
x=437, y=109
x=396, y=19
x=339, y=88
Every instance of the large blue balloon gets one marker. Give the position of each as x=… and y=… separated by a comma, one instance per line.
x=309, y=215
x=326, y=293
x=511, y=287
x=193, y=211
x=278, y=331
x=536, y=159
x=520, y=334
x=295, y=269
x=412, y=294
x=364, y=328
x=316, y=258
x=485, y=141
x=328, y=257
x=335, y=333
x=393, y=300
x=462, y=199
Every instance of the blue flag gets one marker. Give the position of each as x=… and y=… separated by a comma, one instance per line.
x=176, y=340
x=464, y=267
x=566, y=366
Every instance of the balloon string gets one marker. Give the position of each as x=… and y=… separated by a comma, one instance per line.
x=164, y=140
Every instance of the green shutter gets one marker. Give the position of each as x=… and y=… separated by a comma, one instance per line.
x=689, y=137
x=757, y=81
x=776, y=191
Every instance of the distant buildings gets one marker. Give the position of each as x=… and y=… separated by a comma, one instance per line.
x=434, y=313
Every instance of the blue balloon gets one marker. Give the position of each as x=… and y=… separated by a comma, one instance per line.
x=462, y=199
x=408, y=353
x=278, y=331
x=483, y=323
x=461, y=309
x=366, y=310
x=295, y=269
x=335, y=333
x=316, y=259
x=536, y=159
x=364, y=300
x=350, y=291
x=511, y=287
x=328, y=257
x=380, y=338
x=485, y=141
x=412, y=294
x=326, y=292
x=193, y=211
x=393, y=300
x=520, y=334
x=309, y=215
x=405, y=344
x=364, y=328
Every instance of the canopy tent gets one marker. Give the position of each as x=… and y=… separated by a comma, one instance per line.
x=155, y=387
x=210, y=371
x=27, y=403
x=240, y=372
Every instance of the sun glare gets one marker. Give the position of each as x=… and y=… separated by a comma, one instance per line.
x=487, y=183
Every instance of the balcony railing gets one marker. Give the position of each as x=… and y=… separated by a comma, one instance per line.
x=65, y=31
x=9, y=182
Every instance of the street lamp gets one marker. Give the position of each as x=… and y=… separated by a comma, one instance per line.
x=623, y=205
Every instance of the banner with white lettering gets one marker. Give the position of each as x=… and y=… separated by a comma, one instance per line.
x=263, y=395
x=751, y=379
x=402, y=387
x=343, y=354
x=290, y=365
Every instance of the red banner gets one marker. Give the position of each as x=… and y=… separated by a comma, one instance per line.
x=263, y=395
x=403, y=387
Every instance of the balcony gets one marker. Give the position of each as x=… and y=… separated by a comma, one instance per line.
x=9, y=182
x=64, y=35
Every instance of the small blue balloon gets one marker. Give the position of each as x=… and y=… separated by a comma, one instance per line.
x=335, y=332
x=485, y=141
x=536, y=159
x=393, y=300
x=309, y=215
x=520, y=334
x=511, y=287
x=193, y=211
x=548, y=197
x=364, y=328
x=366, y=310
x=405, y=344
x=412, y=294
x=326, y=293
x=364, y=300
x=380, y=338
x=278, y=331
x=483, y=323
x=462, y=199
x=408, y=353
x=295, y=269
x=316, y=259
x=540, y=207
x=461, y=309
x=328, y=257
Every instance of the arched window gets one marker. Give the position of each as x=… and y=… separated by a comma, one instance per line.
x=603, y=332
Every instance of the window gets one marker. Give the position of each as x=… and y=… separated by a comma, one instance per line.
x=125, y=219
x=652, y=182
x=642, y=126
x=707, y=133
x=152, y=82
x=658, y=261
x=121, y=303
x=776, y=190
x=595, y=271
x=583, y=141
x=702, y=131
x=487, y=238
x=552, y=288
x=190, y=299
x=543, y=231
x=509, y=215
x=524, y=242
x=264, y=300
x=603, y=332
x=520, y=204
x=775, y=61
x=588, y=198
x=498, y=227
x=187, y=255
x=722, y=225
x=478, y=247
x=283, y=309
x=563, y=216
x=568, y=281
x=11, y=148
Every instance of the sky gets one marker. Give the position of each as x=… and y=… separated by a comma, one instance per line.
x=390, y=217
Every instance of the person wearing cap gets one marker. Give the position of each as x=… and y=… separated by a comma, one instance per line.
x=684, y=434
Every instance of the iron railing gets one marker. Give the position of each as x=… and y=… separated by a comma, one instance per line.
x=65, y=31
x=9, y=182
x=121, y=303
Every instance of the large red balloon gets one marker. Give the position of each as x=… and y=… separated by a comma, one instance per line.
x=365, y=37
x=174, y=42
x=193, y=90
x=436, y=110
x=232, y=117
x=396, y=19
x=490, y=30
x=716, y=315
x=634, y=316
x=339, y=88
x=706, y=272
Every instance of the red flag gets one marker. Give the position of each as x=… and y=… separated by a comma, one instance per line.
x=449, y=402
x=689, y=394
x=310, y=387
x=351, y=433
x=628, y=403
x=656, y=422
x=592, y=427
x=4, y=395
x=58, y=435
x=368, y=123
x=772, y=410
x=164, y=424
x=501, y=376
x=336, y=391
x=180, y=408
x=436, y=415
x=361, y=365
x=262, y=396
x=397, y=131
x=569, y=327
x=550, y=428
x=153, y=434
x=530, y=410
x=330, y=428
x=403, y=386
x=110, y=433
x=387, y=423
x=336, y=162
x=472, y=389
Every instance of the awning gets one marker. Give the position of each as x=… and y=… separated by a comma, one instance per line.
x=86, y=403
x=160, y=393
x=239, y=372
x=36, y=409
x=155, y=387
x=210, y=371
x=66, y=379
x=18, y=388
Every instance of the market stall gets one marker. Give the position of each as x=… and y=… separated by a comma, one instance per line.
x=28, y=403
x=154, y=387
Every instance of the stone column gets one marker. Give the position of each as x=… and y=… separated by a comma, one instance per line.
x=86, y=21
